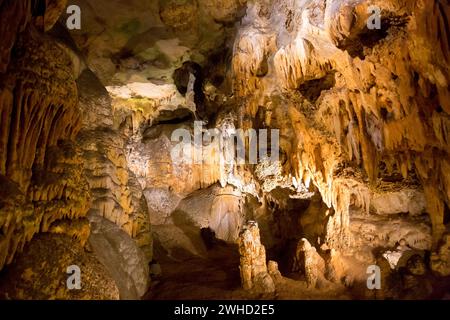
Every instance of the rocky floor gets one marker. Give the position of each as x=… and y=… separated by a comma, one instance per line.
x=215, y=276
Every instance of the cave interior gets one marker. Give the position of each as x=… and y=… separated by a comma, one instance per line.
x=224, y=149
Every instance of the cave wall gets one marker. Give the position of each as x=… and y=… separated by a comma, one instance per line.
x=86, y=119
x=41, y=164
x=362, y=112
x=63, y=167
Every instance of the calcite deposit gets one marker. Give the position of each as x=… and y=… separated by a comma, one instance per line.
x=225, y=149
x=253, y=266
x=308, y=261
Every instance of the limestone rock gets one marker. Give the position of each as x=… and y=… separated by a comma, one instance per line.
x=274, y=272
x=219, y=209
x=116, y=195
x=223, y=10
x=39, y=159
x=144, y=43
x=440, y=259
x=309, y=262
x=121, y=256
x=227, y=216
x=88, y=119
x=335, y=267
x=377, y=231
x=179, y=15
x=53, y=9
x=404, y=201
x=349, y=103
x=41, y=272
x=253, y=267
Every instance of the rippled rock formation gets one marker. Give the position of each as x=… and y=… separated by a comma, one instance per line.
x=114, y=140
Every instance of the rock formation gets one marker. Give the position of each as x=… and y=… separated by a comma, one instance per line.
x=40, y=163
x=309, y=262
x=440, y=259
x=253, y=267
x=41, y=272
x=50, y=178
x=146, y=139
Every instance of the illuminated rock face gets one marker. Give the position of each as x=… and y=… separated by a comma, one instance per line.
x=57, y=164
x=116, y=194
x=253, y=267
x=363, y=114
x=87, y=120
x=123, y=259
x=40, y=164
x=360, y=109
x=41, y=272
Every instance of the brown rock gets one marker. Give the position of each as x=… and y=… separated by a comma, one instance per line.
x=309, y=262
x=254, y=274
x=40, y=272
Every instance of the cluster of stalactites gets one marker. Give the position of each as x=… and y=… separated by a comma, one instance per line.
x=385, y=106
x=40, y=166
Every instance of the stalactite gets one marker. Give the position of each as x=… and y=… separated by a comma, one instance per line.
x=15, y=15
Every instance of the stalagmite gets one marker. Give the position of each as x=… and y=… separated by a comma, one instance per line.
x=253, y=267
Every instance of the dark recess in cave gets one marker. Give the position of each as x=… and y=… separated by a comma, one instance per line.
x=312, y=89
x=366, y=38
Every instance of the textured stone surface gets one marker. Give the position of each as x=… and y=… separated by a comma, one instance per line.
x=137, y=42
x=40, y=273
x=361, y=118
x=124, y=260
x=309, y=262
x=86, y=119
x=116, y=194
x=48, y=170
x=253, y=266
x=39, y=163
x=403, y=201
x=440, y=260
